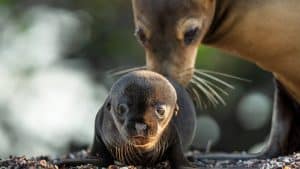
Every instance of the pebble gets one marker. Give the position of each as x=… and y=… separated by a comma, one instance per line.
x=43, y=163
x=287, y=162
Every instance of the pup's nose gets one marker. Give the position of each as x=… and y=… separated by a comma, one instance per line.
x=141, y=127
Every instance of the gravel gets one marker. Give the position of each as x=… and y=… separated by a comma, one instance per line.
x=44, y=162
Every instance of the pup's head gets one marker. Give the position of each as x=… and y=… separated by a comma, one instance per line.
x=142, y=104
x=170, y=32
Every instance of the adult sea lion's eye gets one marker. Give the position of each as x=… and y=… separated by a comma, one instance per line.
x=122, y=109
x=160, y=111
x=141, y=36
x=190, y=35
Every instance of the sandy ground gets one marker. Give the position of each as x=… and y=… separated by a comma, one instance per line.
x=287, y=162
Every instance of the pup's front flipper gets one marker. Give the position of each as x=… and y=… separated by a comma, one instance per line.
x=177, y=158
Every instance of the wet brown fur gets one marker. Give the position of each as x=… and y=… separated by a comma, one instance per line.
x=166, y=138
x=265, y=32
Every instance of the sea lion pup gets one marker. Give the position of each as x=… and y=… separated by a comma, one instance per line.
x=265, y=32
x=143, y=121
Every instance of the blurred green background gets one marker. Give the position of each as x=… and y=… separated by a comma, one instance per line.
x=54, y=58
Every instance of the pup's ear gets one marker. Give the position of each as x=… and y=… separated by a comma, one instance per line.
x=176, y=110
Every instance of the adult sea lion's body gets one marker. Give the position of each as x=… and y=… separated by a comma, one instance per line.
x=265, y=32
x=143, y=121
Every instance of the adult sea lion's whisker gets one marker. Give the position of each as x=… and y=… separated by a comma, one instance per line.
x=223, y=91
x=215, y=96
x=128, y=70
x=212, y=90
x=198, y=98
x=204, y=90
x=215, y=79
x=211, y=77
x=223, y=75
x=208, y=88
x=199, y=101
x=124, y=71
x=203, y=103
x=213, y=99
x=214, y=86
x=195, y=95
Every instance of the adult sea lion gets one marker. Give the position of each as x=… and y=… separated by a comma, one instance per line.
x=144, y=120
x=265, y=32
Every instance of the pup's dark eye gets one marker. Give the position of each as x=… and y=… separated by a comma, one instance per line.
x=122, y=109
x=160, y=111
x=141, y=36
x=190, y=35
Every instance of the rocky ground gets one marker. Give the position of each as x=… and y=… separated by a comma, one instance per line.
x=288, y=162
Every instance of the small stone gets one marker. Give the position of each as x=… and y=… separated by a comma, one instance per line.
x=286, y=160
x=287, y=167
x=43, y=163
x=124, y=168
x=72, y=156
x=113, y=167
x=23, y=162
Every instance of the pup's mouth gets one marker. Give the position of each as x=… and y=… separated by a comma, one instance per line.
x=141, y=141
x=139, y=137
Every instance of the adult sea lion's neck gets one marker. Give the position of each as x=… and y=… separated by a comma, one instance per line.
x=254, y=31
x=222, y=15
